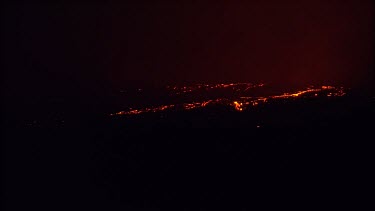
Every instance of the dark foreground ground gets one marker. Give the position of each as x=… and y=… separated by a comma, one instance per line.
x=279, y=155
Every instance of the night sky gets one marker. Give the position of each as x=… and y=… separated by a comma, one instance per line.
x=73, y=135
x=82, y=47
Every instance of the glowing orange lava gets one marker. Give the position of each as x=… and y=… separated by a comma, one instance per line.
x=240, y=103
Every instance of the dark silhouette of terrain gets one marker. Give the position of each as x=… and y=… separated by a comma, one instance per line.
x=309, y=150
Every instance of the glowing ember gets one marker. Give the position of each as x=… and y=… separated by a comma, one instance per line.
x=175, y=90
x=237, y=106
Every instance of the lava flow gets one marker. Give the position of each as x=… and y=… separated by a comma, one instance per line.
x=239, y=101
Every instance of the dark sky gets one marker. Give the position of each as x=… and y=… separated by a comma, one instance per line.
x=78, y=47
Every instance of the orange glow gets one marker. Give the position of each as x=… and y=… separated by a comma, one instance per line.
x=237, y=106
x=187, y=89
x=239, y=103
